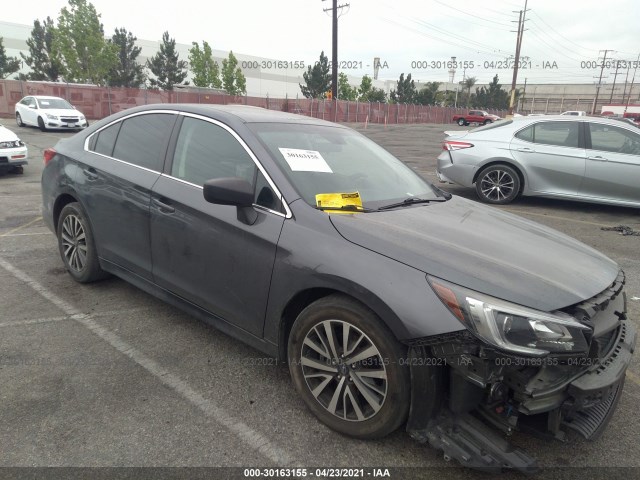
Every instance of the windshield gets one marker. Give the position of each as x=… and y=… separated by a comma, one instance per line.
x=322, y=160
x=54, y=103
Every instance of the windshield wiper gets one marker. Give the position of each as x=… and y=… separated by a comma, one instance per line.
x=412, y=201
x=350, y=208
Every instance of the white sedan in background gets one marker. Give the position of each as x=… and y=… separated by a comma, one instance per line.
x=49, y=113
x=13, y=152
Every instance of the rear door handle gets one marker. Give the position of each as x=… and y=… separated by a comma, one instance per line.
x=164, y=207
x=90, y=173
x=598, y=158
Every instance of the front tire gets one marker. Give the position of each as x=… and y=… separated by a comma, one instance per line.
x=19, y=121
x=486, y=122
x=498, y=184
x=348, y=367
x=41, y=125
x=461, y=122
x=77, y=246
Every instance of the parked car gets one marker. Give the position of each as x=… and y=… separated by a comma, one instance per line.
x=575, y=113
x=576, y=158
x=13, y=152
x=311, y=243
x=49, y=113
x=475, y=116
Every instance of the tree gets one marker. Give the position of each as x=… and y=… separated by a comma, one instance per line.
x=429, y=95
x=43, y=62
x=317, y=79
x=168, y=69
x=85, y=54
x=405, y=91
x=127, y=72
x=368, y=93
x=206, y=72
x=492, y=97
x=8, y=65
x=233, y=80
x=468, y=84
x=345, y=90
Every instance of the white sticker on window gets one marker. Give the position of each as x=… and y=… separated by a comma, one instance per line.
x=305, y=160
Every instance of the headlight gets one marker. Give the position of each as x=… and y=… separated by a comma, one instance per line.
x=82, y=118
x=51, y=117
x=512, y=327
x=11, y=144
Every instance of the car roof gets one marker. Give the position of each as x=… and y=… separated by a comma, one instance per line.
x=242, y=113
x=45, y=97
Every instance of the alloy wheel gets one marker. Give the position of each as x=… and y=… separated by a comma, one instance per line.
x=344, y=370
x=74, y=243
x=497, y=185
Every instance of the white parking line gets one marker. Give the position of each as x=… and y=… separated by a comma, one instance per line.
x=255, y=440
x=35, y=321
x=24, y=234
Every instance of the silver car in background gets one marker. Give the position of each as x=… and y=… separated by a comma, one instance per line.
x=588, y=159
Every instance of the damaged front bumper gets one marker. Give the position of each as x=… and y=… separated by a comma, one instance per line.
x=490, y=395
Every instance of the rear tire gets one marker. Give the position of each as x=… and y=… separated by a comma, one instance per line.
x=41, y=125
x=498, y=184
x=77, y=246
x=461, y=122
x=349, y=368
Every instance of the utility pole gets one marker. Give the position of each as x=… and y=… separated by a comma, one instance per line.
x=523, y=98
x=615, y=76
x=595, y=103
x=631, y=86
x=521, y=21
x=334, y=46
x=626, y=80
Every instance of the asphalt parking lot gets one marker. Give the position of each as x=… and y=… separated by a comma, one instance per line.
x=104, y=375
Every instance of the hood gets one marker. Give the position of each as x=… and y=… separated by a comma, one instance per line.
x=63, y=112
x=485, y=249
x=7, y=135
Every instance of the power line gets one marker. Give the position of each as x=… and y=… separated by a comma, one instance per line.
x=559, y=34
x=470, y=14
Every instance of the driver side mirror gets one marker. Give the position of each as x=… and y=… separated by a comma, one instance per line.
x=228, y=191
x=232, y=191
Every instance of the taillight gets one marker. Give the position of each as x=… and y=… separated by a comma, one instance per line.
x=454, y=145
x=48, y=154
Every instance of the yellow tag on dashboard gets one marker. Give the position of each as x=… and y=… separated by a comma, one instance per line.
x=339, y=201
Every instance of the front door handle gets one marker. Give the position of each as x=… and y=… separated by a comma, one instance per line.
x=526, y=149
x=598, y=158
x=164, y=207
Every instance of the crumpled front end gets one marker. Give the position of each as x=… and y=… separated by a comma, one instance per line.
x=492, y=393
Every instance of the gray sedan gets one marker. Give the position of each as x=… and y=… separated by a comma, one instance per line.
x=577, y=158
x=390, y=300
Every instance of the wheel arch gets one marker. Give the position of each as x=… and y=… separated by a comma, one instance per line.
x=302, y=299
x=502, y=161
x=62, y=201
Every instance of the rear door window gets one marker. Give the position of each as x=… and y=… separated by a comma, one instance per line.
x=562, y=134
x=142, y=140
